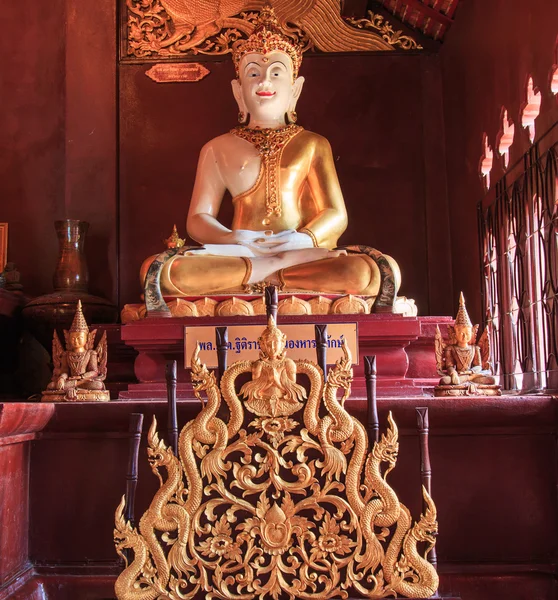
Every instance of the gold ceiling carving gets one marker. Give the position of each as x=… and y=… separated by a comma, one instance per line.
x=279, y=499
x=184, y=29
x=378, y=23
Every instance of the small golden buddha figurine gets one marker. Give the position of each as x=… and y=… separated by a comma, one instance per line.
x=289, y=210
x=80, y=370
x=465, y=366
x=174, y=240
x=273, y=390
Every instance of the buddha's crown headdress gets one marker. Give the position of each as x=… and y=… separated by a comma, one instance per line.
x=462, y=314
x=79, y=323
x=268, y=37
x=271, y=330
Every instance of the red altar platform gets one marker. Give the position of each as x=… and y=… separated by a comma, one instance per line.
x=404, y=349
x=63, y=470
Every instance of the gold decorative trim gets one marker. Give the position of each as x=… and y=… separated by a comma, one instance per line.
x=248, y=274
x=234, y=307
x=182, y=308
x=267, y=37
x=294, y=306
x=80, y=396
x=258, y=306
x=181, y=29
x=350, y=305
x=274, y=494
x=378, y=23
x=320, y=305
x=311, y=234
x=317, y=305
x=206, y=307
x=177, y=73
x=270, y=144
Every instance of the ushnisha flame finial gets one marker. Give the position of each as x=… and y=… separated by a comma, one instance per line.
x=268, y=37
x=272, y=333
x=79, y=323
x=462, y=317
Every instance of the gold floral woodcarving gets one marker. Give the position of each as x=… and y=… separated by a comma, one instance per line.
x=158, y=29
x=279, y=500
x=393, y=38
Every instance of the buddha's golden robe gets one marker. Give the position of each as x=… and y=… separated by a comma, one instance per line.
x=303, y=187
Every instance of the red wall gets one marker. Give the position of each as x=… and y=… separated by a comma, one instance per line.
x=58, y=132
x=32, y=135
x=486, y=60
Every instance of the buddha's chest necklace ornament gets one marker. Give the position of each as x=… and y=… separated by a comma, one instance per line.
x=464, y=357
x=270, y=144
x=77, y=361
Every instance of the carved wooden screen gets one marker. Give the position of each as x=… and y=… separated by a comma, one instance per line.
x=519, y=249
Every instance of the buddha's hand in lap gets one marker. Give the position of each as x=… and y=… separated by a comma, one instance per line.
x=267, y=243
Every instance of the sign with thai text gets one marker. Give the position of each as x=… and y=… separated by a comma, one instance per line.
x=177, y=73
x=243, y=342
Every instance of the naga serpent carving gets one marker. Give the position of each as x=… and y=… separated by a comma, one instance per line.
x=280, y=500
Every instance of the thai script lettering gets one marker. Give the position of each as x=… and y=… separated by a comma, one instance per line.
x=243, y=343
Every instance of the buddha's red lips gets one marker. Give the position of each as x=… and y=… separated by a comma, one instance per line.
x=266, y=94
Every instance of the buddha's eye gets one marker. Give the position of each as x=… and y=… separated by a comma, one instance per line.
x=252, y=71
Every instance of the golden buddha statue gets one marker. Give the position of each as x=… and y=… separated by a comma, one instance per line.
x=289, y=211
x=80, y=370
x=465, y=365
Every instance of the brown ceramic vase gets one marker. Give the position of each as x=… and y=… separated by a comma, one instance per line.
x=56, y=311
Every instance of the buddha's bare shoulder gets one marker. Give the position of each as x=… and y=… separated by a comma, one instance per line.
x=219, y=142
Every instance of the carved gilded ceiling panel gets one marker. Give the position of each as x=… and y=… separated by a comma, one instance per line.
x=155, y=30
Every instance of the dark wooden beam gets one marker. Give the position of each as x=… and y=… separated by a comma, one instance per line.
x=429, y=12
x=353, y=8
x=453, y=8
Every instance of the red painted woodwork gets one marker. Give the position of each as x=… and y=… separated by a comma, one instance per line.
x=430, y=18
x=121, y=357
x=492, y=530
x=392, y=338
x=75, y=586
x=18, y=426
x=498, y=539
x=486, y=60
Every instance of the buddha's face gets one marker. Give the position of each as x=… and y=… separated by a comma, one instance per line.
x=265, y=88
x=463, y=334
x=273, y=345
x=77, y=340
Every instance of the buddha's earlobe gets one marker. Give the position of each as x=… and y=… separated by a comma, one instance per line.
x=237, y=93
x=290, y=115
x=297, y=90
